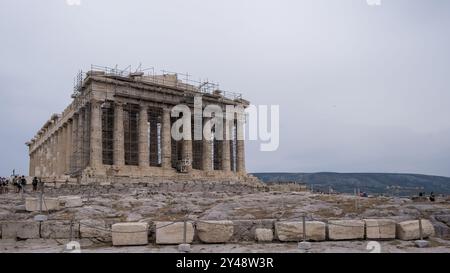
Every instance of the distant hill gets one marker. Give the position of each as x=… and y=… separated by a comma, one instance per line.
x=375, y=183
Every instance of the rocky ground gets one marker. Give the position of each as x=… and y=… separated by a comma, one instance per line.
x=104, y=205
x=87, y=246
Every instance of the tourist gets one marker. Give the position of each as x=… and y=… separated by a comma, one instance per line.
x=432, y=197
x=23, y=183
x=5, y=185
x=41, y=184
x=35, y=183
x=16, y=183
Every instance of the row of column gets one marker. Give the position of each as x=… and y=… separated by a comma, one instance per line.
x=51, y=158
x=78, y=144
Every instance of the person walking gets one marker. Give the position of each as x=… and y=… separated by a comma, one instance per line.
x=35, y=183
x=23, y=183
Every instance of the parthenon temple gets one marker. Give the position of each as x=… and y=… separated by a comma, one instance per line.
x=119, y=124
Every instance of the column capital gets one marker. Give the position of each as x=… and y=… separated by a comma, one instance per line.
x=119, y=103
x=144, y=106
x=96, y=102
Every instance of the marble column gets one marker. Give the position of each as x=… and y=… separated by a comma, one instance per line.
x=68, y=146
x=75, y=142
x=119, y=149
x=166, y=140
x=226, y=159
x=187, y=149
x=95, y=159
x=240, y=157
x=143, y=137
x=80, y=140
x=207, y=146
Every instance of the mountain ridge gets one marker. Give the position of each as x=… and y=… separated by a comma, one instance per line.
x=376, y=183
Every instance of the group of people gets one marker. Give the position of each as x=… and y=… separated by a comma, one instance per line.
x=432, y=197
x=18, y=182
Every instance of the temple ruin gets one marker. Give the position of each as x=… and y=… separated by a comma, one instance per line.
x=118, y=126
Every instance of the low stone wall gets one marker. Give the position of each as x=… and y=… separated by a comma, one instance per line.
x=207, y=231
x=130, y=185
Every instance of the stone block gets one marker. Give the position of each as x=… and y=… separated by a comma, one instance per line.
x=409, y=230
x=346, y=229
x=173, y=232
x=263, y=235
x=377, y=229
x=20, y=230
x=129, y=234
x=293, y=231
x=49, y=204
x=215, y=231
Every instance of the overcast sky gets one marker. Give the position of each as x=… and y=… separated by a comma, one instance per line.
x=361, y=88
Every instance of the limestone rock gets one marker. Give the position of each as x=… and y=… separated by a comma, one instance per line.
x=245, y=230
x=264, y=235
x=72, y=201
x=293, y=231
x=128, y=234
x=20, y=230
x=409, y=230
x=173, y=232
x=59, y=230
x=95, y=229
x=48, y=204
x=215, y=231
x=380, y=229
x=346, y=229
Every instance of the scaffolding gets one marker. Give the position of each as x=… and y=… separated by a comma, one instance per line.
x=166, y=78
x=131, y=133
x=80, y=156
x=154, y=134
x=108, y=133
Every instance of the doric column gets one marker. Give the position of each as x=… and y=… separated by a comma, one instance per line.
x=75, y=142
x=63, y=149
x=40, y=162
x=36, y=162
x=32, y=163
x=143, y=137
x=59, y=161
x=119, y=152
x=207, y=146
x=240, y=157
x=95, y=159
x=166, y=140
x=226, y=159
x=50, y=156
x=54, y=157
x=80, y=138
x=187, y=149
x=46, y=156
x=68, y=147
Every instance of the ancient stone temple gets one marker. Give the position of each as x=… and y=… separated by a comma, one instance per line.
x=119, y=125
